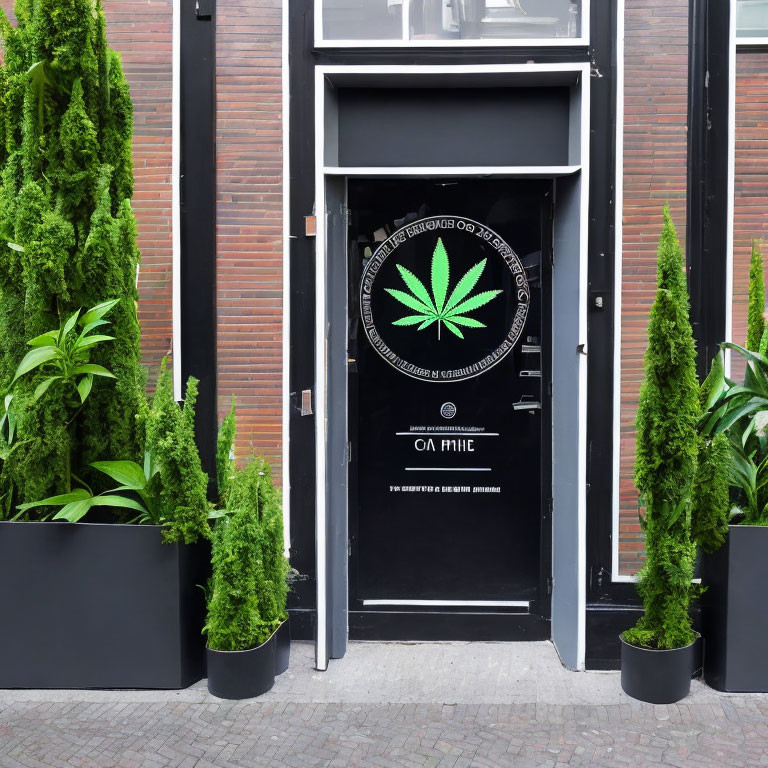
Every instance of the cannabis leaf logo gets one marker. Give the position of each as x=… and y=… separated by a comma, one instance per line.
x=436, y=308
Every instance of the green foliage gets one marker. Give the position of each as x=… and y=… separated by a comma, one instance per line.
x=62, y=374
x=709, y=523
x=67, y=237
x=63, y=355
x=665, y=466
x=170, y=440
x=225, y=452
x=755, y=315
x=710, y=499
x=740, y=412
x=248, y=589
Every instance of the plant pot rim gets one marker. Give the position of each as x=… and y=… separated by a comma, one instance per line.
x=659, y=650
x=248, y=650
x=746, y=525
x=66, y=523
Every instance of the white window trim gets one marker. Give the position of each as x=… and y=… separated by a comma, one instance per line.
x=176, y=201
x=547, y=42
x=286, y=414
x=618, y=278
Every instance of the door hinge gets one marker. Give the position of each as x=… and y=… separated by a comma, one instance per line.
x=346, y=214
x=550, y=584
x=349, y=547
x=348, y=453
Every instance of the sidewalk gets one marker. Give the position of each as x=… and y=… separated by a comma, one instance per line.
x=453, y=705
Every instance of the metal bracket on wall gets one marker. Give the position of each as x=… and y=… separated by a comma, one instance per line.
x=204, y=9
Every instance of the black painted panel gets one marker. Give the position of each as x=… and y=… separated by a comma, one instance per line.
x=100, y=606
x=450, y=533
x=198, y=222
x=735, y=611
x=425, y=626
x=453, y=126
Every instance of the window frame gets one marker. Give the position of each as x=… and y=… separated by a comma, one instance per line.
x=582, y=41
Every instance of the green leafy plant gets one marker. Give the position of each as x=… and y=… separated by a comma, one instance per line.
x=60, y=357
x=740, y=413
x=756, y=312
x=248, y=589
x=665, y=466
x=64, y=354
x=76, y=504
x=438, y=307
x=225, y=452
x=170, y=440
x=67, y=241
x=709, y=522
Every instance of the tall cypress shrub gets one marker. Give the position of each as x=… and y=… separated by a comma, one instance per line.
x=67, y=233
x=666, y=462
x=755, y=319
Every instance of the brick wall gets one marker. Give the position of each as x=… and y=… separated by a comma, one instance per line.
x=655, y=115
x=751, y=188
x=249, y=210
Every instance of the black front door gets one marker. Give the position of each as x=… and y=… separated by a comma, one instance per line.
x=448, y=357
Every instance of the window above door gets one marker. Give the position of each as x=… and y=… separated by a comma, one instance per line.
x=752, y=20
x=450, y=23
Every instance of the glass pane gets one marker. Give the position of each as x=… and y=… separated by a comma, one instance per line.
x=751, y=18
x=420, y=20
x=362, y=20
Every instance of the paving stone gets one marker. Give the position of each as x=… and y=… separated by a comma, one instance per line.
x=390, y=705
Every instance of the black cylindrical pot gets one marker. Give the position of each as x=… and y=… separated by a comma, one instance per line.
x=242, y=674
x=658, y=677
x=283, y=647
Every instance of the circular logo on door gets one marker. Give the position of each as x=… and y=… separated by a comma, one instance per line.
x=444, y=299
x=448, y=410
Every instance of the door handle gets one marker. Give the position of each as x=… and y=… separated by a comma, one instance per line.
x=527, y=405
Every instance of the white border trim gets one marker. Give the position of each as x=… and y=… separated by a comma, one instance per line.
x=584, y=70
x=455, y=603
x=617, y=296
x=321, y=374
x=586, y=112
x=751, y=42
x=731, y=182
x=176, y=201
x=530, y=171
x=537, y=42
x=286, y=113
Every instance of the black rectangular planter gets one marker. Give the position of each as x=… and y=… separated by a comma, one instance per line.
x=99, y=606
x=735, y=611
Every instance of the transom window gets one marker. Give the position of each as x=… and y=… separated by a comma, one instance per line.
x=752, y=18
x=388, y=23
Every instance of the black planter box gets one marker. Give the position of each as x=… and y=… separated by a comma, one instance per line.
x=242, y=674
x=657, y=676
x=283, y=647
x=88, y=605
x=735, y=612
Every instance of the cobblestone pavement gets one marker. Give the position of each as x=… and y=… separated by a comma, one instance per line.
x=385, y=705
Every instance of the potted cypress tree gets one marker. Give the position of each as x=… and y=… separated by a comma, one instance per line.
x=734, y=566
x=93, y=604
x=657, y=655
x=247, y=619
